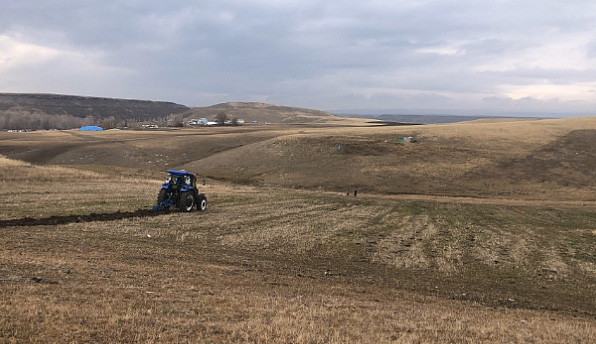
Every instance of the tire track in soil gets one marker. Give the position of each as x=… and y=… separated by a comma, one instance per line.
x=65, y=219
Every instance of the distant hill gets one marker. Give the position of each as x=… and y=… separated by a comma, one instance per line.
x=428, y=119
x=53, y=111
x=40, y=111
x=432, y=119
x=261, y=112
x=78, y=106
x=440, y=119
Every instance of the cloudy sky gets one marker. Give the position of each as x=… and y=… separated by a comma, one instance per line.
x=466, y=56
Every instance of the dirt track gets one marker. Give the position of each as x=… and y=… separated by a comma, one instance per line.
x=64, y=219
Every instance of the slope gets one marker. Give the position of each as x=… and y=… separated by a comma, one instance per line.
x=540, y=160
x=262, y=112
x=529, y=159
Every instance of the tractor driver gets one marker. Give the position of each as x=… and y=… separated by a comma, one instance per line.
x=174, y=181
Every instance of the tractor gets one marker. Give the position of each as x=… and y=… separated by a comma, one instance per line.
x=180, y=190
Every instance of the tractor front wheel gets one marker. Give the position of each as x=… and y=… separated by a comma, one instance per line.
x=187, y=201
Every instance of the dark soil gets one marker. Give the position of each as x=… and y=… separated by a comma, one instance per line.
x=64, y=219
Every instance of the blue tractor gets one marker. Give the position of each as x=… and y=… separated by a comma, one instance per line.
x=180, y=190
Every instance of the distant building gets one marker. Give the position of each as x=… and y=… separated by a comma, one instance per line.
x=91, y=128
x=200, y=121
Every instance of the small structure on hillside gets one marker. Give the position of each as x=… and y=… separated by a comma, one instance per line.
x=91, y=128
x=407, y=139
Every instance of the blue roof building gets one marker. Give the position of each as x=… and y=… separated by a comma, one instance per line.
x=91, y=128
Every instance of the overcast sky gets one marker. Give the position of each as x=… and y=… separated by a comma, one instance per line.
x=521, y=56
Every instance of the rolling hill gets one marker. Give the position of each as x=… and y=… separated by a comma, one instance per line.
x=530, y=159
x=262, y=112
x=478, y=232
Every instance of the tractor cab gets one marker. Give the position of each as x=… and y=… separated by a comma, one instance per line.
x=180, y=178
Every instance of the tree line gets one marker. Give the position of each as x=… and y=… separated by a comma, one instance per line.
x=31, y=120
x=34, y=120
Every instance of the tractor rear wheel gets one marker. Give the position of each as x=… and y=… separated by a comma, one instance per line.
x=187, y=201
x=162, y=196
x=202, y=204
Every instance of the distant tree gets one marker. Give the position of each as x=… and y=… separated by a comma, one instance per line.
x=109, y=123
x=20, y=123
x=221, y=118
x=46, y=123
x=160, y=121
x=135, y=124
x=176, y=121
x=34, y=123
x=88, y=120
x=6, y=120
x=234, y=121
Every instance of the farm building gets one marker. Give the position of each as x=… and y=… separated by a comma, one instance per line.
x=91, y=128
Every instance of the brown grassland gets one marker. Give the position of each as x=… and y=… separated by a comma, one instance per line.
x=481, y=232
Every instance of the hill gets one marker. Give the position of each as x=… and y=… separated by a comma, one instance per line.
x=53, y=111
x=262, y=112
x=527, y=159
x=531, y=159
x=478, y=232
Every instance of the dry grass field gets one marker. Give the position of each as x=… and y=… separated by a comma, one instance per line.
x=478, y=233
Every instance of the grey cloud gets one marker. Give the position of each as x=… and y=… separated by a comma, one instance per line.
x=591, y=49
x=303, y=53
